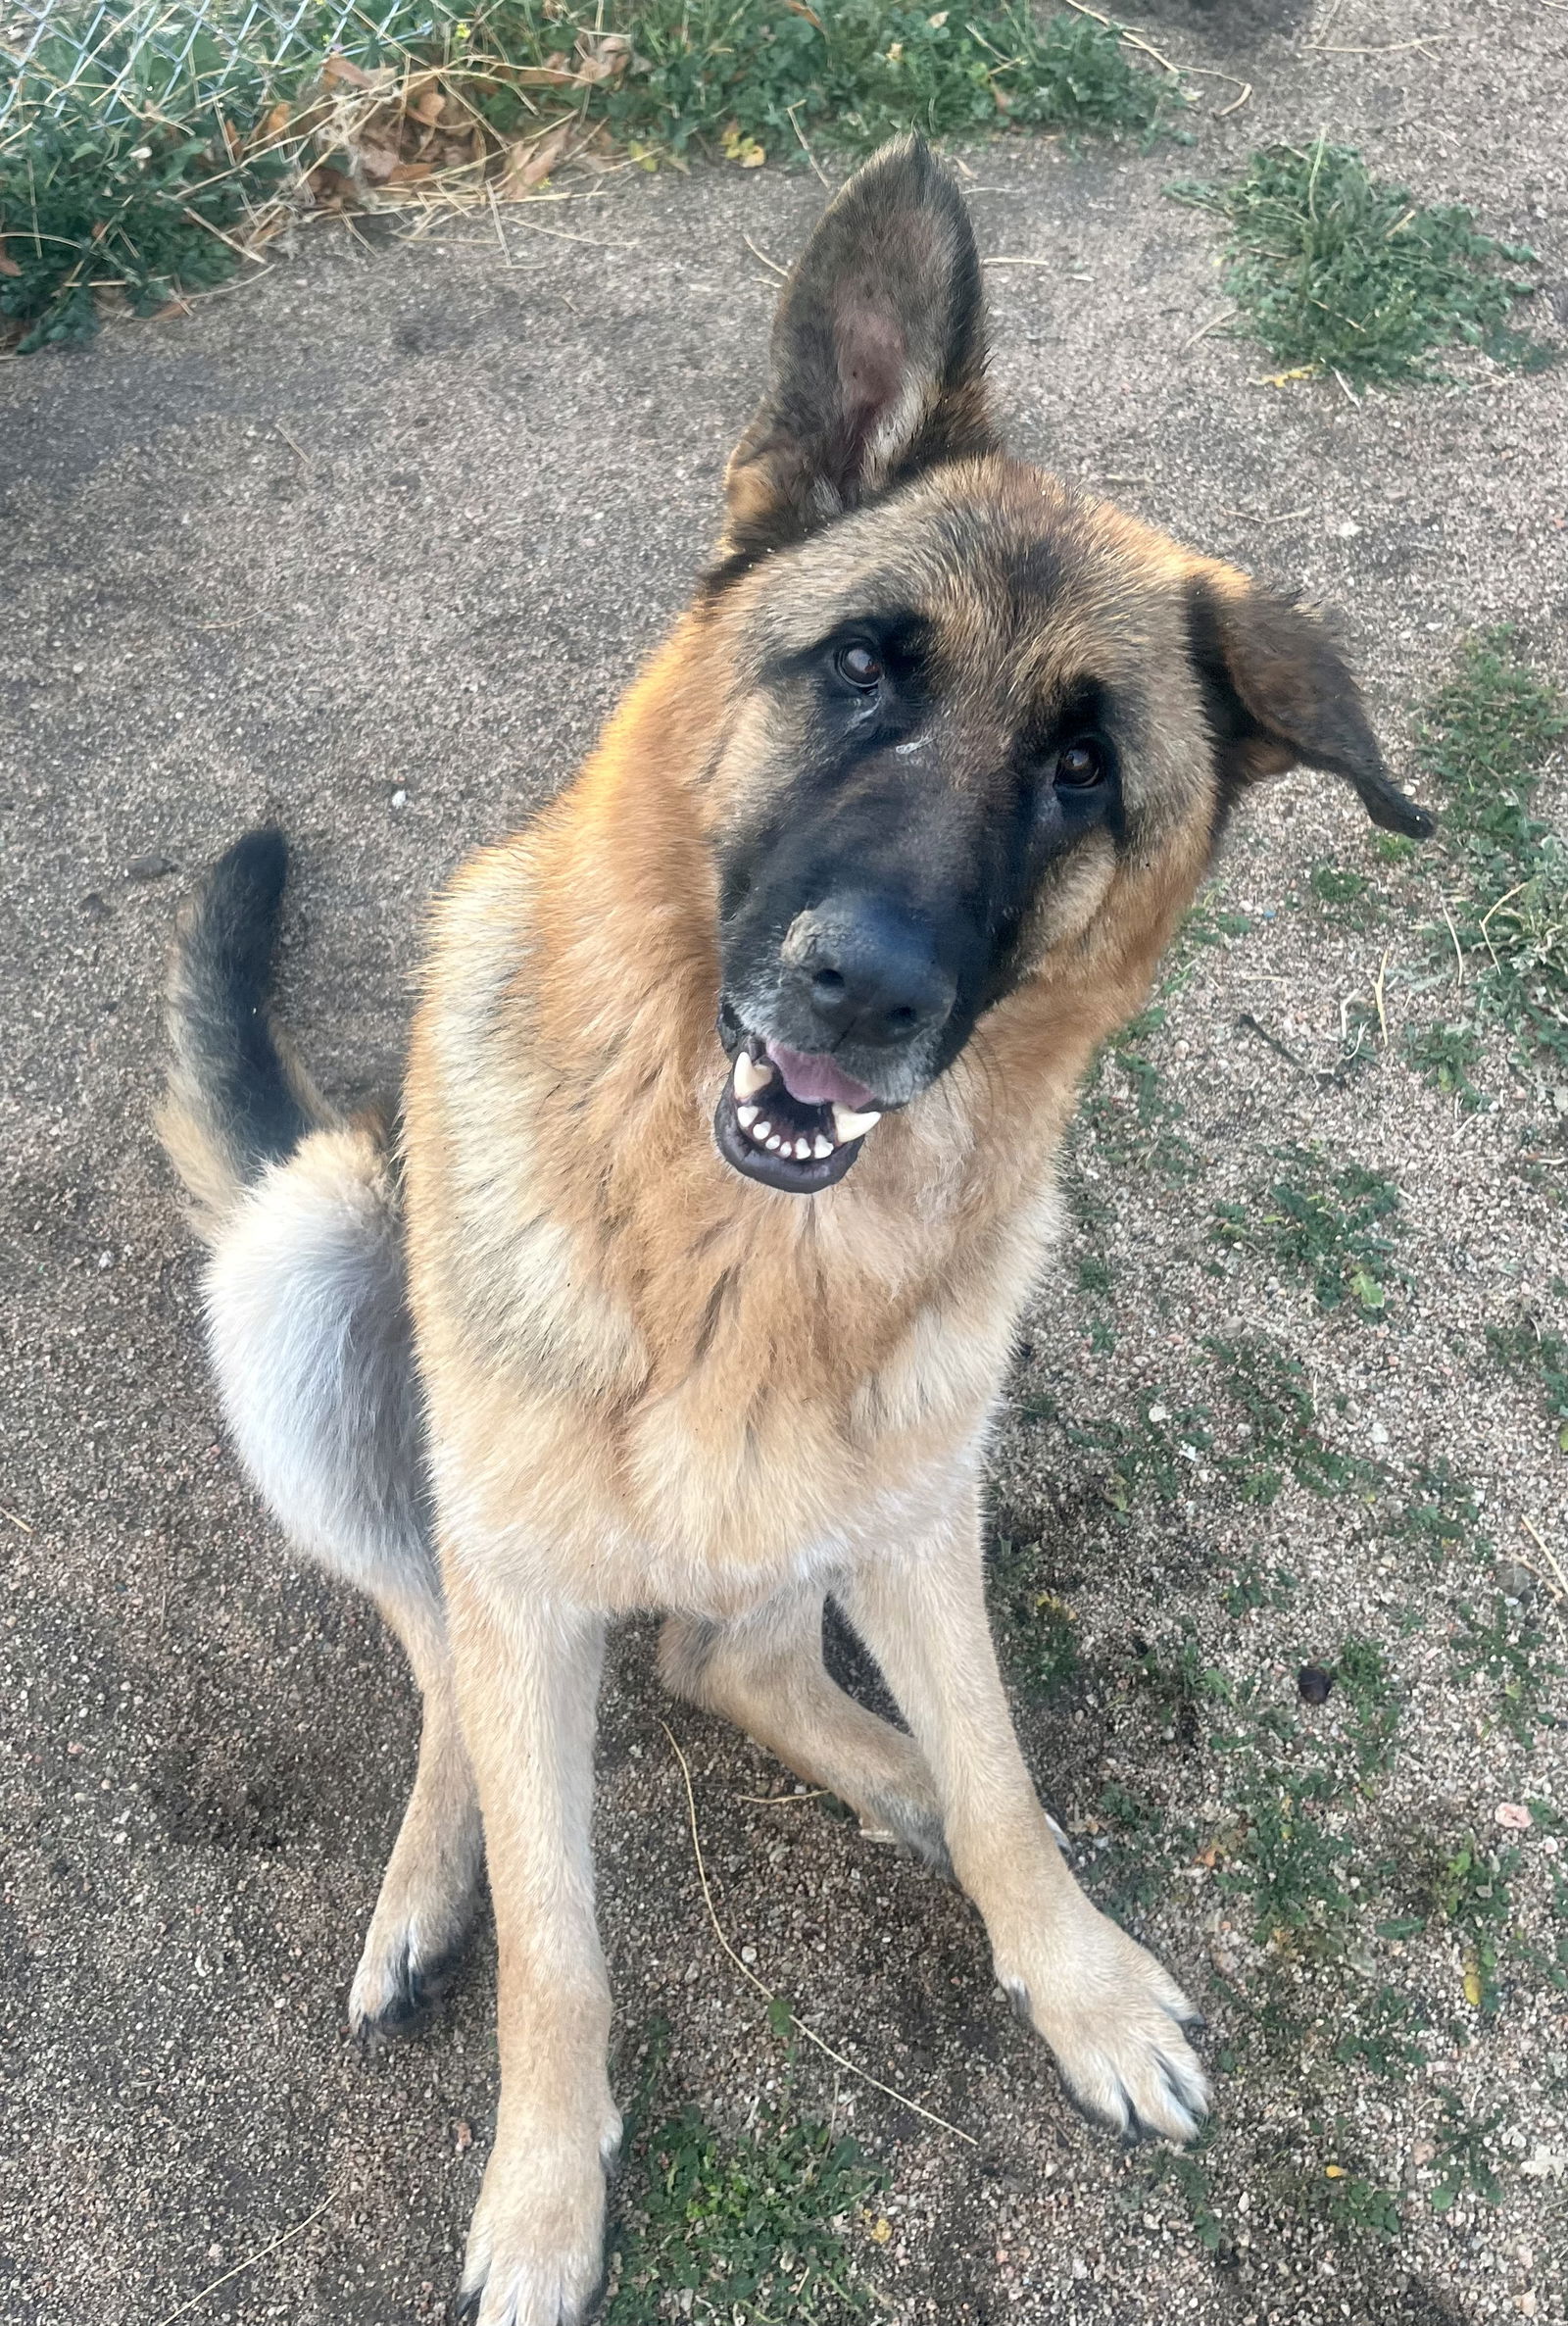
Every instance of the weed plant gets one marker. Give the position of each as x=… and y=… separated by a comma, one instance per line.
x=1336, y=271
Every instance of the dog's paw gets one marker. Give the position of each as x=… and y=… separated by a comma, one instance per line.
x=399, y=1978
x=911, y=1821
x=536, y=2248
x=1118, y=2023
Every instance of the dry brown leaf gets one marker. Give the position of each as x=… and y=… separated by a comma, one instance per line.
x=529, y=165
x=8, y=266
x=277, y=120
x=339, y=67
x=329, y=188
x=408, y=173
x=379, y=162
x=799, y=8
x=541, y=76
x=231, y=136
x=426, y=107
x=604, y=55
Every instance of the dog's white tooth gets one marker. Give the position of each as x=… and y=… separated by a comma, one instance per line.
x=745, y=1117
x=774, y=1145
x=751, y=1074
x=822, y=1147
x=850, y=1125
x=761, y=1131
x=803, y=1149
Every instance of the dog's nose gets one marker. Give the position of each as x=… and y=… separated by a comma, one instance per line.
x=866, y=972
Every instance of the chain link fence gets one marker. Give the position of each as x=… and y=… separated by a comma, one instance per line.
x=149, y=146
x=154, y=58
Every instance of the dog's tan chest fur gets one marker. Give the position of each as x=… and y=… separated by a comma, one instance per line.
x=630, y=1353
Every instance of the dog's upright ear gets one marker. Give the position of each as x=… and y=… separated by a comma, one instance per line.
x=878, y=355
x=1279, y=695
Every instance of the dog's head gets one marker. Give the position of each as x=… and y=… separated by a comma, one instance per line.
x=980, y=722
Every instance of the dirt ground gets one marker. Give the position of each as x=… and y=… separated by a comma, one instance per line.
x=369, y=548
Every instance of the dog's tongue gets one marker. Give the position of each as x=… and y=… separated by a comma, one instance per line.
x=816, y=1080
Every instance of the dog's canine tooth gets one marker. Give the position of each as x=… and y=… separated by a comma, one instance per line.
x=751, y=1074
x=761, y=1133
x=745, y=1117
x=822, y=1147
x=803, y=1149
x=850, y=1125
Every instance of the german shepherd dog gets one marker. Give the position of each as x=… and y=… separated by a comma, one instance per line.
x=725, y=1167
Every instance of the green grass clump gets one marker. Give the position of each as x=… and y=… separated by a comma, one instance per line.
x=1384, y=2036
x=1261, y=1428
x=742, y=73
x=1446, y=1056
x=1040, y=1628
x=1485, y=739
x=1334, y=270
x=187, y=121
x=1443, y=1516
x=1504, y=1645
x=749, y=2231
x=1135, y=1122
x=1463, y=2163
x=1271, y=1392
x=1347, y=895
x=1470, y=1891
x=1327, y=1222
x=1528, y=1346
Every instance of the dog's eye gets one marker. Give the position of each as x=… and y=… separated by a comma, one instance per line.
x=1080, y=765
x=857, y=666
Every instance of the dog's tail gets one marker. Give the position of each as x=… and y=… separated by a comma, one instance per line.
x=306, y=1315
x=236, y=1099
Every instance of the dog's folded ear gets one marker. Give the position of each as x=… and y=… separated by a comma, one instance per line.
x=878, y=355
x=1279, y=695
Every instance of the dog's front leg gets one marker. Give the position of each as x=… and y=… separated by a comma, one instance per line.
x=1111, y=2015
x=527, y=1673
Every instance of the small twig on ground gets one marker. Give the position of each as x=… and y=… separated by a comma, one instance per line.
x=776, y=1801
x=1377, y=995
x=1203, y=329
x=1136, y=40
x=1396, y=48
x=240, y=2267
x=1559, y=1589
x=822, y=175
x=765, y=1992
x=14, y=1520
x=763, y=255
x=1132, y=39
x=238, y=248
x=1249, y=1026
x=300, y=453
x=1458, y=950
x=1501, y=901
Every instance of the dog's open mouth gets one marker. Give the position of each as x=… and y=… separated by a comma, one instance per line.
x=791, y=1120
